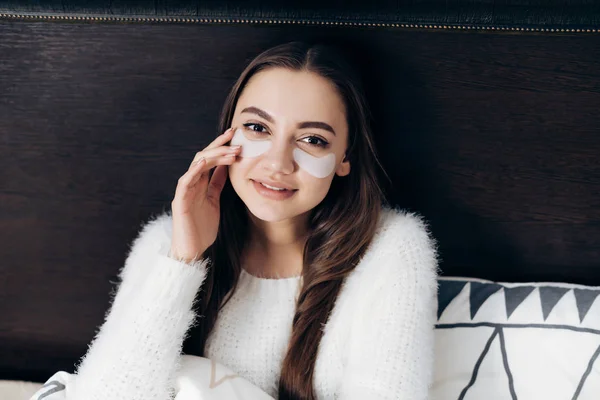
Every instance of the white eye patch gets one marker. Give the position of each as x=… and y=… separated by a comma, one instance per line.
x=319, y=167
x=250, y=148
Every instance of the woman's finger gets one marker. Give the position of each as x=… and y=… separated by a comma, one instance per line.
x=221, y=139
x=216, y=152
x=211, y=162
x=217, y=182
x=200, y=170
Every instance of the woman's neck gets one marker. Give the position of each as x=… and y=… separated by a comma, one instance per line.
x=281, y=263
x=275, y=250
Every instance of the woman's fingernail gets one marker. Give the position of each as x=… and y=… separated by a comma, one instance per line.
x=235, y=147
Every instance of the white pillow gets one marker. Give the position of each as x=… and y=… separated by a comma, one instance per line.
x=526, y=341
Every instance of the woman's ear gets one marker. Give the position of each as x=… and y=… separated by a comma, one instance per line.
x=344, y=168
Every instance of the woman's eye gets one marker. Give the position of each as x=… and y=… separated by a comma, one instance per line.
x=256, y=128
x=316, y=141
x=312, y=140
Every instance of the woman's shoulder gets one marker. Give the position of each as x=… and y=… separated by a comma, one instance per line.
x=395, y=222
x=154, y=233
x=402, y=250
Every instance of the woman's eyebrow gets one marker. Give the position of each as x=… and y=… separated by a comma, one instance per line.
x=317, y=125
x=261, y=113
x=302, y=125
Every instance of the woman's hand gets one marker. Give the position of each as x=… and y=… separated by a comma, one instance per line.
x=195, y=206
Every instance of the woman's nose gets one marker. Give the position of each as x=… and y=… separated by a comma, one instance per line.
x=279, y=158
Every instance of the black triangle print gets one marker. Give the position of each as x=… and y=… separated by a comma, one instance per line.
x=584, y=299
x=447, y=292
x=549, y=296
x=515, y=296
x=480, y=292
x=491, y=361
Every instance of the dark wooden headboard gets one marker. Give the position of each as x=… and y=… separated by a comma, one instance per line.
x=486, y=118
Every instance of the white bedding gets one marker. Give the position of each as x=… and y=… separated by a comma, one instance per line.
x=198, y=379
x=18, y=390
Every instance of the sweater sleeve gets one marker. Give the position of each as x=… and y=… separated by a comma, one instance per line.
x=391, y=349
x=136, y=353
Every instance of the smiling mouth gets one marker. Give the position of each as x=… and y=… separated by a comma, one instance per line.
x=273, y=194
x=274, y=187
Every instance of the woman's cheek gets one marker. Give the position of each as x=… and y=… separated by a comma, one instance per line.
x=315, y=188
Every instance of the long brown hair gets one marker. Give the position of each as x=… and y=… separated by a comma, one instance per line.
x=341, y=226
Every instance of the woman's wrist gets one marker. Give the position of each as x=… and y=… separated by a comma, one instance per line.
x=187, y=260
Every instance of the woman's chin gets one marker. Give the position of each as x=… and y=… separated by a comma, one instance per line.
x=268, y=212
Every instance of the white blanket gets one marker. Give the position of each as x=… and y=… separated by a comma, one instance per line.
x=198, y=379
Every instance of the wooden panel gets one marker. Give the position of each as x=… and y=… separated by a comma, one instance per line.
x=492, y=137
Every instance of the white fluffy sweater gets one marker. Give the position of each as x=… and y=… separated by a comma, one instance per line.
x=378, y=342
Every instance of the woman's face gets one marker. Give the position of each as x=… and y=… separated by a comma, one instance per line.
x=293, y=134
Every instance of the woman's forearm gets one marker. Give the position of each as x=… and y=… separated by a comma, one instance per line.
x=136, y=352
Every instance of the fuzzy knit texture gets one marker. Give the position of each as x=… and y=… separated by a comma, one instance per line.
x=257, y=319
x=378, y=342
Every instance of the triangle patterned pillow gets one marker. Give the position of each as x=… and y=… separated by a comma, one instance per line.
x=508, y=341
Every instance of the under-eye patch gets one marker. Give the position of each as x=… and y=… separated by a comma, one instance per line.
x=250, y=148
x=319, y=167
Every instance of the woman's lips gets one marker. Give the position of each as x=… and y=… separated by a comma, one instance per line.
x=272, y=194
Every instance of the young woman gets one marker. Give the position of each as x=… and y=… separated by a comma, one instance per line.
x=280, y=258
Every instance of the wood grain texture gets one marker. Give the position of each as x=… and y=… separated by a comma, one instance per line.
x=492, y=137
x=551, y=14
